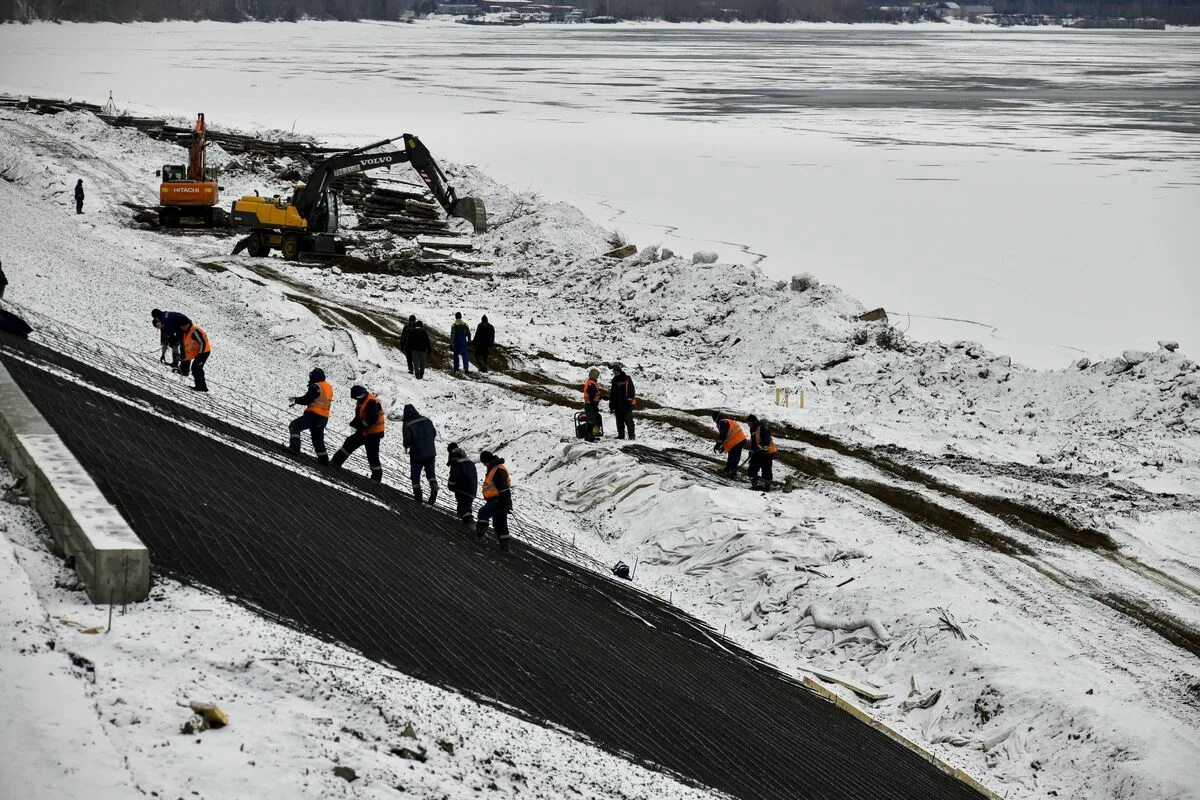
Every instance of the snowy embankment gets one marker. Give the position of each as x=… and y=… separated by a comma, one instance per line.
x=1015, y=551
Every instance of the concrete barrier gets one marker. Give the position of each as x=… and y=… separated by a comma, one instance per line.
x=112, y=562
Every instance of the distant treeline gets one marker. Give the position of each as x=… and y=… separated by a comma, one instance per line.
x=1176, y=12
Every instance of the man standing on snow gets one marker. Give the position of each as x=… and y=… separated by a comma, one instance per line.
x=497, y=499
x=621, y=400
x=3, y=281
x=730, y=438
x=418, y=342
x=405, y=344
x=464, y=481
x=460, y=337
x=762, y=453
x=591, y=405
x=79, y=196
x=419, y=437
x=368, y=424
x=485, y=337
x=170, y=326
x=196, y=349
x=317, y=402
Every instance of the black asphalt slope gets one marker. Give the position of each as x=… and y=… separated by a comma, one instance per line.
x=529, y=631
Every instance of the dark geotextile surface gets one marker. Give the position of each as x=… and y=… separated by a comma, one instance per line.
x=403, y=585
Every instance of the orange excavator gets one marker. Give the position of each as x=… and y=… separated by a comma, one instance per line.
x=191, y=191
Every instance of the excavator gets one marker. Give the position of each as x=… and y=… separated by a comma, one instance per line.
x=190, y=191
x=308, y=221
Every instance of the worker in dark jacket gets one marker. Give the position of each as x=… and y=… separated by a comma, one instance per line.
x=3, y=281
x=196, y=349
x=730, y=439
x=418, y=342
x=497, y=498
x=405, y=335
x=464, y=481
x=485, y=337
x=170, y=326
x=79, y=196
x=419, y=437
x=317, y=402
x=621, y=400
x=460, y=338
x=368, y=424
x=762, y=453
x=591, y=406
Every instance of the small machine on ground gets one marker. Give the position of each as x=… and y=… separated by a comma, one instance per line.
x=307, y=222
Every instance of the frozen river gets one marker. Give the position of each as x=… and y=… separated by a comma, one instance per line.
x=1037, y=190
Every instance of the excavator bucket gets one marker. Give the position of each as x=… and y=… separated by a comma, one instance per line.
x=471, y=209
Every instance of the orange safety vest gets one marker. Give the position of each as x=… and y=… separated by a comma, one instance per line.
x=489, y=484
x=590, y=383
x=195, y=342
x=734, y=437
x=324, y=400
x=754, y=437
x=362, y=408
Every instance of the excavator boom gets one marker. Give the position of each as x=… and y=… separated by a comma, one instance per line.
x=306, y=222
x=189, y=191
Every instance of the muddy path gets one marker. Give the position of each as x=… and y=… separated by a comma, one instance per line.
x=1001, y=524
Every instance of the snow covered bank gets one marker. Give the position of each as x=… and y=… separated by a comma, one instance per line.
x=107, y=707
x=989, y=653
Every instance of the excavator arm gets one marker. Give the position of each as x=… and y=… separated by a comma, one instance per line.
x=309, y=199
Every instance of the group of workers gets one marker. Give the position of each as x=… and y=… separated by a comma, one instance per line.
x=416, y=345
x=732, y=440
x=419, y=438
x=188, y=344
x=622, y=399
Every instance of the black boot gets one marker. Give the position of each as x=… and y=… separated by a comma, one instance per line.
x=377, y=475
x=481, y=526
x=323, y=460
x=432, y=493
x=340, y=457
x=503, y=544
x=294, y=445
x=417, y=494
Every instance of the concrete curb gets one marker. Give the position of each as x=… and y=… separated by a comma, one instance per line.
x=111, y=561
x=895, y=736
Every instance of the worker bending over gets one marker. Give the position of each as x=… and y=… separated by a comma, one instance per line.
x=497, y=498
x=196, y=349
x=464, y=481
x=730, y=438
x=591, y=405
x=368, y=424
x=762, y=453
x=170, y=326
x=317, y=402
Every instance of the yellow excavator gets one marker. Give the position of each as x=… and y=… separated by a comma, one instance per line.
x=307, y=222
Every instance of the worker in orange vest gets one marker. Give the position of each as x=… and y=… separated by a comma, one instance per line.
x=592, y=395
x=196, y=349
x=497, y=498
x=762, y=453
x=730, y=438
x=317, y=402
x=368, y=424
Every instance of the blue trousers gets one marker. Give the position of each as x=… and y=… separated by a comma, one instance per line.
x=460, y=352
